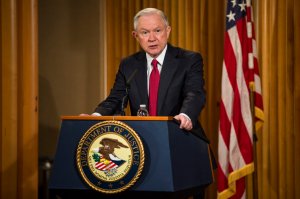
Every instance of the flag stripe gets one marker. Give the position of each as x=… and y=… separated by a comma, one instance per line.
x=235, y=157
x=225, y=126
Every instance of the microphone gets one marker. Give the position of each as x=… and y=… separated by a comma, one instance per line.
x=127, y=88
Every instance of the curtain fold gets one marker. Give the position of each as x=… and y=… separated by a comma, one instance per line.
x=278, y=143
x=19, y=136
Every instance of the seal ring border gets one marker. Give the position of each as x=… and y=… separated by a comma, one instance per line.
x=142, y=156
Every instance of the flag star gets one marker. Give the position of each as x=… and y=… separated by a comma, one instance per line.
x=231, y=16
x=243, y=6
x=233, y=3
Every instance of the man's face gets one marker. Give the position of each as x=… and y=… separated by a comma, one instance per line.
x=152, y=34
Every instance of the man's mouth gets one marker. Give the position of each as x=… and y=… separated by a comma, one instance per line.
x=153, y=46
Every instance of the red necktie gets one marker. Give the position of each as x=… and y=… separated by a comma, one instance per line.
x=153, y=88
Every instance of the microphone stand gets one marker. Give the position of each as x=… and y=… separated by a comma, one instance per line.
x=127, y=87
x=124, y=100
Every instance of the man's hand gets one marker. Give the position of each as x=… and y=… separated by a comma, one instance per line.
x=185, y=122
x=83, y=114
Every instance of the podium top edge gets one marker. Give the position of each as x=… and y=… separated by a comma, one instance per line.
x=134, y=118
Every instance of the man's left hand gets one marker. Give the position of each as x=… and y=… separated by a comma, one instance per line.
x=185, y=122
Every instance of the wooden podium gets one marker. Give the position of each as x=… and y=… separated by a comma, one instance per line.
x=177, y=163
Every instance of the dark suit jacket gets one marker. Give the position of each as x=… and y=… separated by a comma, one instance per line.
x=181, y=86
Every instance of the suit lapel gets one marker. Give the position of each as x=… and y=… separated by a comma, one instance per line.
x=169, y=68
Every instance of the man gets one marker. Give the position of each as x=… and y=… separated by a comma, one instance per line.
x=179, y=85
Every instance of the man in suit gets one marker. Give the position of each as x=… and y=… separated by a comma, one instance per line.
x=180, y=91
x=177, y=86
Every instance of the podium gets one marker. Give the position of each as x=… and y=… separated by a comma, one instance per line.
x=177, y=163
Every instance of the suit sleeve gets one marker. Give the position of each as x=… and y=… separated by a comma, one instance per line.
x=193, y=90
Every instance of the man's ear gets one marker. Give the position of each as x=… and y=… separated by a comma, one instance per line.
x=169, y=30
x=134, y=34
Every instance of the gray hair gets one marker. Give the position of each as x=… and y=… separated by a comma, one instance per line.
x=149, y=11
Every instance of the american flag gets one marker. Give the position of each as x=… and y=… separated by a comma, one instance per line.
x=240, y=74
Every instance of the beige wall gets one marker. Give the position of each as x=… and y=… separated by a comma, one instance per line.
x=69, y=64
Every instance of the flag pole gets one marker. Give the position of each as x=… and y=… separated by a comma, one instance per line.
x=255, y=139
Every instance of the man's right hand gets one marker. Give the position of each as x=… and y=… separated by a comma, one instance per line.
x=83, y=114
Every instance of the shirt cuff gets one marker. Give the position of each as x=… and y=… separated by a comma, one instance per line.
x=185, y=115
x=96, y=114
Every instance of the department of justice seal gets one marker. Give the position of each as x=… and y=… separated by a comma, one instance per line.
x=110, y=157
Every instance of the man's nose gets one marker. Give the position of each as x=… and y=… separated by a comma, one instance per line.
x=152, y=36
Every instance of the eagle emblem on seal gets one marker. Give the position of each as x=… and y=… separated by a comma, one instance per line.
x=105, y=157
